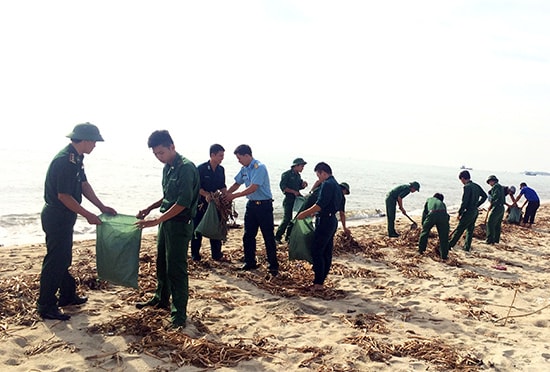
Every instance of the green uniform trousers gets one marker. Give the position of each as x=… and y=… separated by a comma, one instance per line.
x=172, y=277
x=58, y=225
x=391, y=207
x=288, y=205
x=441, y=221
x=467, y=223
x=494, y=224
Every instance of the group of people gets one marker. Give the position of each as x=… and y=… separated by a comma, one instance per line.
x=186, y=192
x=435, y=211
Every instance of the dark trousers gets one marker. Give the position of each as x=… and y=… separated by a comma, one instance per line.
x=441, y=221
x=323, y=244
x=288, y=205
x=196, y=242
x=390, y=215
x=259, y=216
x=467, y=223
x=58, y=225
x=494, y=224
x=530, y=212
x=172, y=277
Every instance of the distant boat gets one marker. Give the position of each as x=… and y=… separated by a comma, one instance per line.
x=536, y=173
x=527, y=173
x=465, y=167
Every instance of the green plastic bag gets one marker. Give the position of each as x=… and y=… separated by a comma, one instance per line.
x=211, y=225
x=117, y=249
x=301, y=239
x=514, y=215
x=298, y=202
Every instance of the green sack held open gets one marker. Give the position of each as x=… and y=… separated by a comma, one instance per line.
x=301, y=239
x=117, y=249
x=211, y=225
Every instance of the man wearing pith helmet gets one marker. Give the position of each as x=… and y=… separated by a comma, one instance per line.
x=65, y=184
x=495, y=211
x=291, y=183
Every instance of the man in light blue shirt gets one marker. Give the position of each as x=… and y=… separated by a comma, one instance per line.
x=259, y=209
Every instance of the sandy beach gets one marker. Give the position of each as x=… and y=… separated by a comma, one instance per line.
x=385, y=308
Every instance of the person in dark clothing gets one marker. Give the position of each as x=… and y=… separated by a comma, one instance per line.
x=212, y=179
x=472, y=198
x=435, y=213
x=291, y=183
x=65, y=185
x=495, y=211
x=533, y=203
x=329, y=202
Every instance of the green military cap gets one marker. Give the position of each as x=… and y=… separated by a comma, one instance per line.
x=298, y=161
x=345, y=186
x=492, y=178
x=85, y=132
x=415, y=185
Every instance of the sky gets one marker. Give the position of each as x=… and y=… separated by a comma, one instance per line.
x=427, y=82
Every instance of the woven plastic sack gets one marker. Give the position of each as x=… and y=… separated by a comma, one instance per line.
x=211, y=225
x=298, y=202
x=117, y=249
x=301, y=239
x=514, y=215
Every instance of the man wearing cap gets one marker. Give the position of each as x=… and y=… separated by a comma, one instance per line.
x=395, y=196
x=344, y=186
x=495, y=211
x=64, y=187
x=291, y=183
x=473, y=197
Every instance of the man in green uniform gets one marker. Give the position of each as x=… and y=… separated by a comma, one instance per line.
x=473, y=196
x=65, y=184
x=178, y=206
x=395, y=196
x=435, y=213
x=495, y=211
x=291, y=183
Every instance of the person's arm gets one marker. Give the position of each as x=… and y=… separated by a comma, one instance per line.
x=308, y=212
x=173, y=211
x=400, y=204
x=71, y=203
x=343, y=221
x=231, y=195
x=89, y=193
x=144, y=212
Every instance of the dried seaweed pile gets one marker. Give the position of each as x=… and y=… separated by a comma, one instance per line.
x=368, y=323
x=431, y=350
x=17, y=300
x=155, y=339
x=226, y=210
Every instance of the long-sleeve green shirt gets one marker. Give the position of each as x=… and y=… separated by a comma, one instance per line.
x=433, y=204
x=497, y=195
x=399, y=191
x=472, y=197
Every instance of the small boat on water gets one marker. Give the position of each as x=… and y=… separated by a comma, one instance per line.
x=465, y=167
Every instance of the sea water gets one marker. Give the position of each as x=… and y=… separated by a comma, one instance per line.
x=130, y=180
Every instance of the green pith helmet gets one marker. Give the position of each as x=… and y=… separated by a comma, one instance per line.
x=492, y=178
x=298, y=161
x=345, y=186
x=415, y=185
x=85, y=132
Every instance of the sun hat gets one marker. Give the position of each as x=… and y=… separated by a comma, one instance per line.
x=492, y=178
x=345, y=186
x=85, y=132
x=415, y=185
x=298, y=161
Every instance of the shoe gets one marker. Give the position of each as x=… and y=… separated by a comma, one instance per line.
x=54, y=314
x=393, y=235
x=247, y=267
x=154, y=302
x=222, y=259
x=76, y=300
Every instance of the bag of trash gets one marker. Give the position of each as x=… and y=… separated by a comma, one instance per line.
x=301, y=239
x=117, y=249
x=211, y=225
